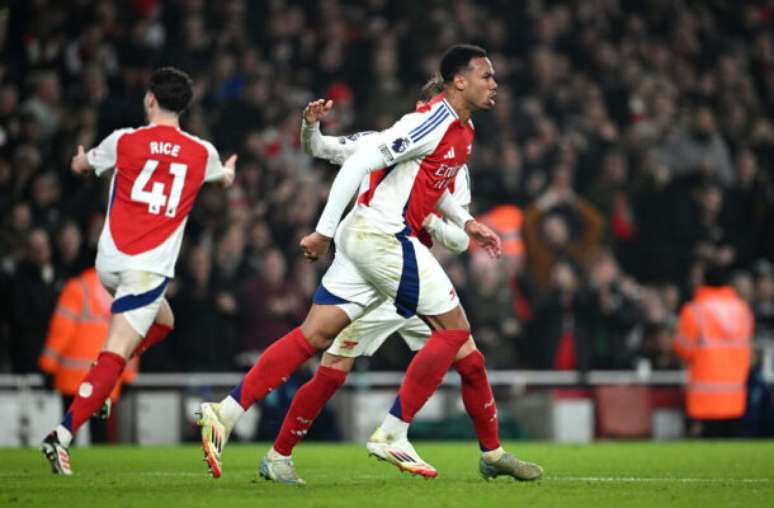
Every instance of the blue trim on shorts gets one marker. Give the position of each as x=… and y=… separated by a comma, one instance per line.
x=407, y=298
x=324, y=297
x=132, y=302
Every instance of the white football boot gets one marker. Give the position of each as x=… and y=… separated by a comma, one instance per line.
x=399, y=452
x=214, y=436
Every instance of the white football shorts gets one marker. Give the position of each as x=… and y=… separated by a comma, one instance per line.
x=371, y=267
x=136, y=294
x=364, y=336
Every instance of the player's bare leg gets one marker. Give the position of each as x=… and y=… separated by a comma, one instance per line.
x=122, y=339
x=163, y=324
x=274, y=366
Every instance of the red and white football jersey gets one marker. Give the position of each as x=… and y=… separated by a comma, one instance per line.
x=159, y=170
x=423, y=153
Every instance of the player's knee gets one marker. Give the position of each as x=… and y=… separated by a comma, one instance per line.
x=321, y=326
x=341, y=363
x=471, y=364
x=317, y=337
x=455, y=319
x=467, y=348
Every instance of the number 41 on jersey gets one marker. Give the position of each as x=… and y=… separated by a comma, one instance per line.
x=156, y=198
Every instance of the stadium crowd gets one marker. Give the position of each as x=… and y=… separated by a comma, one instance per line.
x=632, y=143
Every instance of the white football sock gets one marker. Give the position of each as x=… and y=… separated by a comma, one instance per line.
x=275, y=455
x=230, y=411
x=492, y=456
x=65, y=436
x=395, y=427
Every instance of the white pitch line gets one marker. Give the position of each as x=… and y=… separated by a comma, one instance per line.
x=636, y=479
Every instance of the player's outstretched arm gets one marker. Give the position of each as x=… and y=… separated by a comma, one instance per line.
x=312, y=140
x=80, y=162
x=331, y=148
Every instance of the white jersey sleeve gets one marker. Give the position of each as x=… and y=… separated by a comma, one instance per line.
x=448, y=235
x=334, y=149
x=103, y=156
x=408, y=139
x=365, y=160
x=452, y=210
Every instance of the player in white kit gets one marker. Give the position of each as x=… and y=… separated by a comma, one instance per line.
x=158, y=171
x=408, y=169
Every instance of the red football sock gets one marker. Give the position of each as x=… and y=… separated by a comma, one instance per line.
x=478, y=399
x=156, y=333
x=94, y=389
x=307, y=404
x=273, y=367
x=426, y=370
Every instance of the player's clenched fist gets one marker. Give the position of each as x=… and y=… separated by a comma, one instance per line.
x=315, y=245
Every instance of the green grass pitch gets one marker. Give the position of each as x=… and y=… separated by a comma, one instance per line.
x=696, y=474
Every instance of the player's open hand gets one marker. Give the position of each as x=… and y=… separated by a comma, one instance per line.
x=315, y=245
x=484, y=237
x=229, y=171
x=80, y=163
x=316, y=110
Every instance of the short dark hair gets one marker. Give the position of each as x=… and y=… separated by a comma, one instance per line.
x=457, y=58
x=715, y=274
x=172, y=88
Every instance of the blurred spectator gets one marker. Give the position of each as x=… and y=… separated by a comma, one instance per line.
x=560, y=224
x=44, y=103
x=33, y=292
x=763, y=305
x=610, y=313
x=497, y=326
x=273, y=303
x=658, y=347
x=205, y=339
x=71, y=257
x=699, y=147
x=555, y=340
x=714, y=337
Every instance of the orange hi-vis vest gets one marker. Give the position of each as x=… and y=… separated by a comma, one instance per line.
x=77, y=333
x=506, y=220
x=714, y=338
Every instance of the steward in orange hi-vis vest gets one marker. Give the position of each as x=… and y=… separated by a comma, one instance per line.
x=714, y=337
x=76, y=334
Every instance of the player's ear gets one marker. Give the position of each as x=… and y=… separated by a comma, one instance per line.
x=459, y=82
